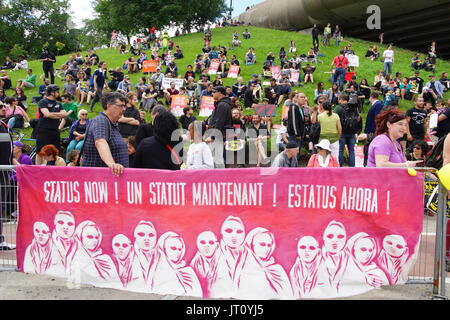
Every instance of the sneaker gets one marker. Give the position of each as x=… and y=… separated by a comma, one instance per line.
x=7, y=246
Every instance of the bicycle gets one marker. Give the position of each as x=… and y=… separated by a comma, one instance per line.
x=19, y=136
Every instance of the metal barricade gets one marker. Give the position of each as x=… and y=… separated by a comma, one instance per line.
x=8, y=218
x=430, y=267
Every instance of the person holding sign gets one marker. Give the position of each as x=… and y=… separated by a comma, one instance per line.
x=169, y=92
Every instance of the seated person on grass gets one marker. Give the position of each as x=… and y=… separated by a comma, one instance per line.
x=72, y=109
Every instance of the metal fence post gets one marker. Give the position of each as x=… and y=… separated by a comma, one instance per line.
x=439, y=257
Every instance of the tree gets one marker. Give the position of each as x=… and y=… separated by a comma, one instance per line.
x=138, y=16
x=31, y=23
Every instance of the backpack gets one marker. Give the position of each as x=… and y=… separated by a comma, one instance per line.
x=436, y=159
x=349, y=120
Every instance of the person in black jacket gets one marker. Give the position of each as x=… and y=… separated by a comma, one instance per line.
x=296, y=121
x=315, y=35
x=146, y=130
x=249, y=98
x=220, y=120
x=158, y=152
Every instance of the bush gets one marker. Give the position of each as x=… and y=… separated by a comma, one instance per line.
x=16, y=52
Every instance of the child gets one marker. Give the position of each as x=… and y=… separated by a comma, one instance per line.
x=389, y=97
x=72, y=157
x=82, y=90
x=187, y=118
x=199, y=155
x=72, y=108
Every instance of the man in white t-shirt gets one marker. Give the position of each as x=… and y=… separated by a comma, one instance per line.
x=388, y=56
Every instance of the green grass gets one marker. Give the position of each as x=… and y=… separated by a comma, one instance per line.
x=263, y=40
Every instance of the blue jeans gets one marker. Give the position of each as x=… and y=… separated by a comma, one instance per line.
x=77, y=145
x=387, y=66
x=348, y=139
x=339, y=77
x=336, y=41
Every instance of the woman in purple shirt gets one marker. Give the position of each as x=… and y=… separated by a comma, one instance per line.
x=385, y=150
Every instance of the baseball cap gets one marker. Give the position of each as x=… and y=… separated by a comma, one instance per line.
x=220, y=89
x=255, y=75
x=291, y=145
x=18, y=144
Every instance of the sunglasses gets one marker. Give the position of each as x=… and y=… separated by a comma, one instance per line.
x=417, y=147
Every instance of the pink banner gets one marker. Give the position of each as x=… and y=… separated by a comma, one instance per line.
x=244, y=233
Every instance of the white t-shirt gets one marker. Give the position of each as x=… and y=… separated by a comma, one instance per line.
x=199, y=156
x=282, y=130
x=388, y=55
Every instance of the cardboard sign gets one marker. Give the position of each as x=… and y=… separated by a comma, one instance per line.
x=353, y=60
x=233, y=72
x=432, y=196
x=207, y=106
x=349, y=75
x=148, y=66
x=166, y=83
x=213, y=67
x=177, y=105
x=294, y=76
x=265, y=110
x=276, y=72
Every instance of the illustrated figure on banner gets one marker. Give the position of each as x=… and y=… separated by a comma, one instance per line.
x=38, y=256
x=303, y=274
x=231, y=258
x=172, y=275
x=145, y=251
x=205, y=260
x=64, y=243
x=129, y=272
x=261, y=277
x=89, y=263
x=393, y=257
x=336, y=267
x=363, y=249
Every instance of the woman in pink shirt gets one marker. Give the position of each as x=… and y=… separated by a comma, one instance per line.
x=15, y=114
x=385, y=150
x=323, y=158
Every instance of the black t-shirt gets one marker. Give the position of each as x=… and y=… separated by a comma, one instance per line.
x=444, y=126
x=126, y=129
x=52, y=106
x=253, y=132
x=416, y=126
x=45, y=55
x=189, y=74
x=185, y=121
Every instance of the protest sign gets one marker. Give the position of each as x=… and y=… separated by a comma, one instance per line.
x=166, y=83
x=210, y=233
x=294, y=76
x=265, y=110
x=276, y=71
x=148, y=66
x=233, y=72
x=213, y=67
x=177, y=105
x=353, y=60
x=207, y=106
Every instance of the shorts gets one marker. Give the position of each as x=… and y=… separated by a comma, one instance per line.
x=47, y=136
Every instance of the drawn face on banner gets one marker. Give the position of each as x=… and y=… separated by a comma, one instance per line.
x=364, y=250
x=64, y=225
x=145, y=236
x=334, y=238
x=263, y=245
x=307, y=248
x=394, y=245
x=90, y=238
x=41, y=233
x=233, y=232
x=121, y=246
x=174, y=249
x=207, y=244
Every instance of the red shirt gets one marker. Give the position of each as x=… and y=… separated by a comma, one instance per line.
x=341, y=62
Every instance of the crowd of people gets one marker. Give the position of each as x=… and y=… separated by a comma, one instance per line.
x=327, y=126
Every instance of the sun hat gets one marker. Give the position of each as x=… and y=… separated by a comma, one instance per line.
x=324, y=144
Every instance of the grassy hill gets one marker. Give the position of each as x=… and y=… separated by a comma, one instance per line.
x=263, y=40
